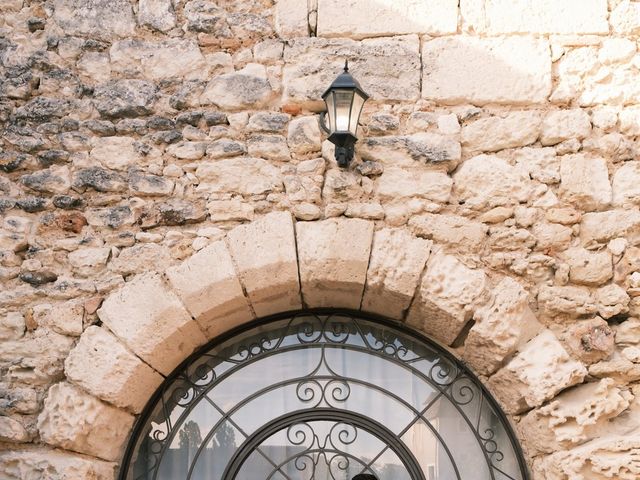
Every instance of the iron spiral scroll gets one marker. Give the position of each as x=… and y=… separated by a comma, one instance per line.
x=282, y=387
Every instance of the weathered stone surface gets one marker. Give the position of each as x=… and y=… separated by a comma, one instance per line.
x=603, y=226
x=589, y=340
x=64, y=318
x=589, y=267
x=248, y=87
x=99, y=179
x=447, y=297
x=515, y=129
x=269, y=147
x=246, y=176
x=206, y=17
x=452, y=229
x=102, y=19
x=225, y=148
x=139, y=258
x=291, y=19
x=541, y=369
x=230, y=210
x=412, y=150
x=388, y=68
x=502, y=326
x=561, y=125
x=486, y=180
x=157, y=14
x=571, y=301
x=11, y=430
x=542, y=164
x=55, y=179
x=333, y=259
x=40, y=463
x=625, y=18
x=574, y=417
x=397, y=183
x=12, y=326
x=547, y=16
x=102, y=366
x=626, y=185
x=76, y=421
x=272, y=122
x=208, y=285
x=304, y=136
x=397, y=260
x=152, y=322
x=117, y=153
x=369, y=18
x=125, y=98
x=463, y=69
x=585, y=181
x=265, y=254
x=612, y=300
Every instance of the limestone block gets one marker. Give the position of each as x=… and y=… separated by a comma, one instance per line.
x=387, y=68
x=333, y=259
x=64, y=318
x=455, y=230
x=157, y=14
x=291, y=18
x=628, y=332
x=589, y=341
x=272, y=122
x=515, y=129
x=589, y=267
x=230, y=210
x=102, y=19
x=574, y=417
x=551, y=236
x=304, y=136
x=55, y=179
x=542, y=164
x=625, y=18
x=152, y=322
x=488, y=181
x=76, y=421
x=626, y=184
x=571, y=301
x=265, y=253
x=42, y=463
x=502, y=326
x=508, y=70
x=585, y=181
x=161, y=60
x=563, y=125
x=612, y=300
x=244, y=175
x=12, y=326
x=547, y=16
x=412, y=150
x=246, y=88
x=125, y=98
x=208, y=285
x=446, y=298
x=269, y=147
x=102, y=366
x=13, y=431
x=397, y=260
x=616, y=50
x=397, y=183
x=117, y=153
x=370, y=18
x=630, y=121
x=536, y=374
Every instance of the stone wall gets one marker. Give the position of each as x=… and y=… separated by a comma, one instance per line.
x=494, y=204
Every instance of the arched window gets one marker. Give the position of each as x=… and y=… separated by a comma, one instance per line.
x=323, y=395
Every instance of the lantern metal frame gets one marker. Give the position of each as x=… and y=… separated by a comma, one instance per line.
x=344, y=140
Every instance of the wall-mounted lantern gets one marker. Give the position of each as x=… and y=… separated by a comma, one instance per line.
x=345, y=99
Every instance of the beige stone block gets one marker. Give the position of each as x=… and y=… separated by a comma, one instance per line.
x=502, y=325
x=117, y=153
x=585, y=181
x=265, y=254
x=626, y=184
x=515, y=129
x=102, y=366
x=209, y=286
x=74, y=420
x=589, y=267
x=447, y=297
x=536, y=374
x=566, y=300
x=562, y=125
x=397, y=261
x=151, y=321
x=489, y=181
x=547, y=16
x=589, y=341
x=377, y=18
x=464, y=69
x=43, y=463
x=291, y=18
x=12, y=430
x=244, y=176
x=452, y=229
x=398, y=183
x=333, y=259
x=625, y=18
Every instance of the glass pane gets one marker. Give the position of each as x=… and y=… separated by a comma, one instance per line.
x=343, y=100
x=331, y=113
x=358, y=103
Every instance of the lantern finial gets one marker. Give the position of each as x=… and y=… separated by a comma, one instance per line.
x=346, y=65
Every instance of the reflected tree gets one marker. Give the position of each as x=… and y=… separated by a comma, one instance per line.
x=190, y=438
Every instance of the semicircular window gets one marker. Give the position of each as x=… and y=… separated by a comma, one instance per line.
x=323, y=395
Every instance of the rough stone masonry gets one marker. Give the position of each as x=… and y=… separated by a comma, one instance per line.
x=494, y=204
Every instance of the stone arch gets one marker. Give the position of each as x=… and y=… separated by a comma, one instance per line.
x=273, y=265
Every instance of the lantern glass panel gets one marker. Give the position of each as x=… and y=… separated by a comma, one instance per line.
x=331, y=112
x=358, y=103
x=343, y=101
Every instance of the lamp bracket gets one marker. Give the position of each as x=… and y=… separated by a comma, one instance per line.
x=344, y=155
x=323, y=123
